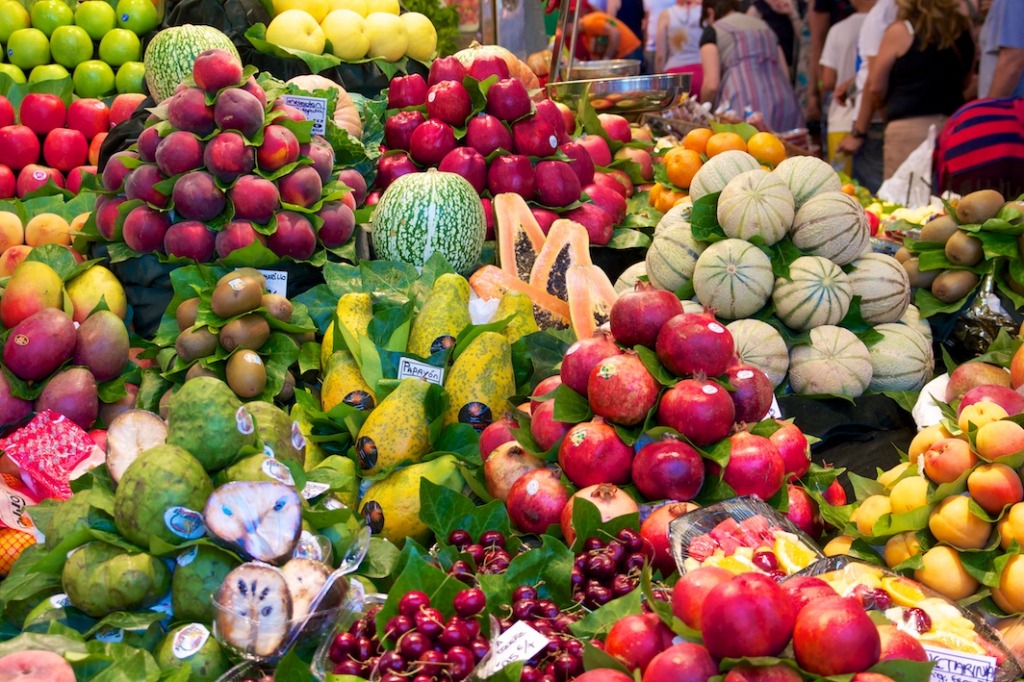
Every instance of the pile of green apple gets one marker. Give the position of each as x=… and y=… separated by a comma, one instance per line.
x=96, y=43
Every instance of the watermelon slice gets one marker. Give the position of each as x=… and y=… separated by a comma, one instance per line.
x=701, y=547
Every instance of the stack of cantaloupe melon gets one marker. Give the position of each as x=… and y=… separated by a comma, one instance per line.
x=790, y=258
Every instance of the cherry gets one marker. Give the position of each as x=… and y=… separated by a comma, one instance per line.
x=524, y=592
x=398, y=626
x=454, y=634
x=411, y=603
x=477, y=552
x=498, y=563
x=598, y=595
x=472, y=626
x=630, y=539
x=547, y=609
x=566, y=666
x=635, y=561
x=430, y=622
x=918, y=619
x=469, y=602
x=392, y=677
x=881, y=599
x=460, y=662
x=460, y=538
x=529, y=674
x=600, y=566
x=766, y=561
x=480, y=647
x=462, y=571
x=364, y=648
x=348, y=667
x=342, y=646
x=430, y=663
x=622, y=584
x=577, y=576
x=492, y=538
x=413, y=645
x=523, y=609
x=615, y=550
x=591, y=544
x=391, y=661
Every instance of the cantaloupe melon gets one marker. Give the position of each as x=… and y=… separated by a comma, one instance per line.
x=714, y=175
x=833, y=225
x=690, y=306
x=912, y=318
x=630, y=276
x=734, y=278
x=902, y=360
x=756, y=204
x=835, y=362
x=678, y=214
x=761, y=345
x=883, y=287
x=816, y=292
x=807, y=176
x=672, y=256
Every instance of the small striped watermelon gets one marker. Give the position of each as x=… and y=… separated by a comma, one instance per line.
x=630, y=276
x=883, y=287
x=756, y=204
x=807, y=176
x=902, y=360
x=714, y=175
x=835, y=362
x=672, y=256
x=912, y=318
x=833, y=225
x=761, y=345
x=172, y=52
x=734, y=278
x=816, y=292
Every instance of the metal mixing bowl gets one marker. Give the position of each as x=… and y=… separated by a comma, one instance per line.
x=604, y=68
x=629, y=95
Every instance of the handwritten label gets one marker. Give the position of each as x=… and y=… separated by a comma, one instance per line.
x=957, y=666
x=277, y=282
x=314, y=108
x=413, y=369
x=519, y=643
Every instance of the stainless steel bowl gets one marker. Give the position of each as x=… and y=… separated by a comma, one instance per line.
x=604, y=68
x=629, y=95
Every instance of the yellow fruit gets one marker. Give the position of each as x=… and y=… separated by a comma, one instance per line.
x=12, y=232
x=358, y=6
x=316, y=8
x=442, y=318
x=86, y=290
x=385, y=6
x=346, y=31
x=870, y=510
x=296, y=29
x=734, y=564
x=355, y=311
x=47, y=228
x=344, y=383
x=792, y=554
x=480, y=382
x=397, y=431
x=392, y=505
x=12, y=543
x=954, y=641
x=902, y=591
x=387, y=36
x=888, y=478
x=422, y=36
x=838, y=546
x=909, y=494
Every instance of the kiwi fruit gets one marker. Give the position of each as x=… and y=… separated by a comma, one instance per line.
x=278, y=307
x=187, y=313
x=236, y=296
x=1017, y=205
x=1014, y=285
x=164, y=406
x=197, y=370
x=919, y=279
x=194, y=343
x=249, y=331
x=245, y=273
x=952, y=285
x=939, y=230
x=302, y=337
x=964, y=249
x=902, y=254
x=287, y=391
x=246, y=374
x=977, y=207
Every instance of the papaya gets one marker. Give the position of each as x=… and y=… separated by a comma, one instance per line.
x=490, y=282
x=520, y=237
x=591, y=297
x=397, y=432
x=355, y=310
x=517, y=304
x=480, y=382
x=391, y=506
x=344, y=383
x=567, y=245
x=442, y=318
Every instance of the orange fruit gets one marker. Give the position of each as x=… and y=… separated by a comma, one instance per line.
x=697, y=139
x=681, y=165
x=12, y=543
x=722, y=142
x=662, y=198
x=766, y=148
x=849, y=188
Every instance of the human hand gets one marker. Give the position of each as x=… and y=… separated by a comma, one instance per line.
x=850, y=145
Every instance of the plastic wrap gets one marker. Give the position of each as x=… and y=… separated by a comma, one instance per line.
x=356, y=605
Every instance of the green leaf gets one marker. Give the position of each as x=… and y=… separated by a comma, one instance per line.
x=597, y=623
x=903, y=670
x=864, y=487
x=782, y=254
x=744, y=130
x=654, y=366
x=587, y=523
x=628, y=238
x=444, y=510
x=905, y=399
x=57, y=257
x=980, y=566
x=594, y=658
x=928, y=305
x=570, y=406
x=704, y=219
x=381, y=559
x=548, y=568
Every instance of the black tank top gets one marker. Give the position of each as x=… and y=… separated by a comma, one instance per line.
x=929, y=82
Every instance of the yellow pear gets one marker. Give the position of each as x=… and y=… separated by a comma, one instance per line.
x=346, y=30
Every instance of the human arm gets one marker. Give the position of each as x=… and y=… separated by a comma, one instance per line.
x=819, y=23
x=896, y=41
x=1009, y=67
x=661, y=43
x=827, y=78
x=711, y=64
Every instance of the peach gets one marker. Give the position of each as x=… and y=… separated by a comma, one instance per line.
x=109, y=222
x=94, y=149
x=280, y=147
x=141, y=183
x=925, y=438
x=78, y=222
x=943, y=571
x=47, y=228
x=197, y=197
x=179, y=152
x=302, y=187
x=1009, y=596
x=236, y=109
x=236, y=235
x=12, y=257
x=971, y=374
x=116, y=170
x=1011, y=526
x=1000, y=438
x=890, y=477
x=189, y=111
x=952, y=522
x=294, y=236
x=215, y=69
x=838, y=546
x=901, y=547
x=948, y=460
x=778, y=672
x=980, y=414
x=12, y=232
x=995, y=485
x=255, y=199
x=899, y=644
x=144, y=229
x=227, y=156
x=869, y=511
x=909, y=494
x=1017, y=368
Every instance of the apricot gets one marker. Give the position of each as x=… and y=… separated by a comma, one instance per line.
x=869, y=511
x=1009, y=596
x=925, y=438
x=994, y=485
x=47, y=228
x=943, y=571
x=1011, y=526
x=952, y=522
x=838, y=546
x=888, y=478
x=901, y=547
x=12, y=257
x=78, y=222
x=1017, y=371
x=12, y=232
x=979, y=414
x=909, y=494
x=948, y=459
x=999, y=438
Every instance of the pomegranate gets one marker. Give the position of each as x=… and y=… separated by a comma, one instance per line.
x=582, y=356
x=593, y=453
x=692, y=589
x=753, y=394
x=497, y=432
x=699, y=409
x=749, y=615
x=536, y=500
x=637, y=638
x=544, y=428
x=504, y=465
x=792, y=444
x=654, y=530
x=543, y=387
x=610, y=501
x=621, y=390
x=694, y=343
x=755, y=466
x=668, y=469
x=638, y=315
x=803, y=512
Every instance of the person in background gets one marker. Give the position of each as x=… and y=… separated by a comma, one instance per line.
x=631, y=13
x=743, y=67
x=823, y=15
x=605, y=37
x=837, y=68
x=677, y=45
x=653, y=10
x=783, y=17
x=1001, y=46
x=982, y=147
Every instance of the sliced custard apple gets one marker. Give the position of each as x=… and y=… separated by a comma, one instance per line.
x=263, y=519
x=397, y=432
x=130, y=434
x=305, y=578
x=254, y=609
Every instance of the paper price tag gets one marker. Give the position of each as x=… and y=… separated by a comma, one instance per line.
x=519, y=643
x=409, y=368
x=957, y=666
x=277, y=281
x=315, y=109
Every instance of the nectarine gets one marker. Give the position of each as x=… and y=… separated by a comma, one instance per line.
x=999, y=438
x=995, y=485
x=909, y=494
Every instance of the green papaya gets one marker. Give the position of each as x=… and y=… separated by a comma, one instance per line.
x=397, y=432
x=480, y=382
x=442, y=318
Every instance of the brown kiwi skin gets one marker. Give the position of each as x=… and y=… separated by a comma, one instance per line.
x=278, y=307
x=903, y=254
x=187, y=313
x=939, y=230
x=964, y=249
x=197, y=370
x=249, y=331
x=918, y=278
x=977, y=207
x=952, y=285
x=194, y=343
x=246, y=379
x=287, y=391
x=247, y=273
x=236, y=296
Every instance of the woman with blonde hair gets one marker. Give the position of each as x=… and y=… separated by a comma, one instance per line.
x=925, y=62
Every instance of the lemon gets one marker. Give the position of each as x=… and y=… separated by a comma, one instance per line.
x=422, y=36
x=902, y=592
x=317, y=8
x=387, y=36
x=733, y=564
x=347, y=32
x=954, y=641
x=792, y=554
x=385, y=6
x=360, y=7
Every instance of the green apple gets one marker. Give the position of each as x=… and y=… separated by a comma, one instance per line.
x=13, y=16
x=70, y=46
x=47, y=15
x=28, y=47
x=97, y=17
x=47, y=72
x=120, y=46
x=131, y=77
x=13, y=72
x=93, y=78
x=138, y=16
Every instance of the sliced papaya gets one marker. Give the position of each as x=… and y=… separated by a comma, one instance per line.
x=567, y=244
x=519, y=235
x=490, y=282
x=591, y=297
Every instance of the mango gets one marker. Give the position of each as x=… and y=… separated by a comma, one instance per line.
x=72, y=393
x=33, y=287
x=102, y=345
x=86, y=290
x=39, y=344
x=12, y=409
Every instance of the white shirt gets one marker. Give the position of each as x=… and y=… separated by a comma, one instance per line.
x=653, y=10
x=840, y=54
x=870, y=40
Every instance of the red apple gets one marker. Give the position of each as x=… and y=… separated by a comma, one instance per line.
x=692, y=589
x=75, y=177
x=598, y=148
x=7, y=116
x=123, y=106
x=483, y=67
x=581, y=161
x=34, y=176
x=390, y=167
x=65, y=148
x=640, y=157
x=407, y=91
x=19, y=146
x=89, y=116
x=617, y=127
x=449, y=102
x=8, y=183
x=398, y=128
x=508, y=100
x=431, y=141
x=512, y=173
x=608, y=200
x=446, y=69
x=468, y=163
x=534, y=136
x=42, y=112
x=486, y=134
x=822, y=623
